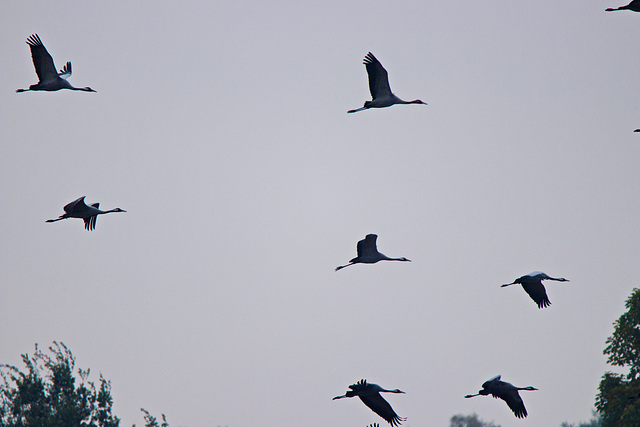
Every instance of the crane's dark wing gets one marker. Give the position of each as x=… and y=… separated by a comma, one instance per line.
x=359, y=386
x=492, y=381
x=90, y=223
x=65, y=73
x=537, y=292
x=378, y=77
x=75, y=206
x=513, y=399
x=42, y=61
x=381, y=407
x=367, y=246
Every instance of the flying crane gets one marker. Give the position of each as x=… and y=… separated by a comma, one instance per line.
x=48, y=78
x=368, y=253
x=79, y=209
x=532, y=284
x=505, y=391
x=370, y=396
x=379, y=87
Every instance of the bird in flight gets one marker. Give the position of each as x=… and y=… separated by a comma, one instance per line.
x=370, y=396
x=532, y=284
x=368, y=253
x=505, y=391
x=79, y=209
x=48, y=78
x=379, y=87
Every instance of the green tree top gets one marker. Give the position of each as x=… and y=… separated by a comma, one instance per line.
x=619, y=398
x=469, y=421
x=46, y=394
x=624, y=345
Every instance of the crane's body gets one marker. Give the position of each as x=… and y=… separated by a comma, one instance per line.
x=79, y=209
x=532, y=284
x=505, y=391
x=48, y=78
x=368, y=253
x=381, y=95
x=370, y=396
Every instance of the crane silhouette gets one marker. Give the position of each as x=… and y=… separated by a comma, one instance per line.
x=379, y=87
x=532, y=284
x=79, y=209
x=505, y=391
x=368, y=253
x=370, y=396
x=48, y=78
x=633, y=6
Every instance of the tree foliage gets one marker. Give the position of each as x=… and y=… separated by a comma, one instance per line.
x=46, y=395
x=618, y=400
x=596, y=421
x=151, y=421
x=469, y=421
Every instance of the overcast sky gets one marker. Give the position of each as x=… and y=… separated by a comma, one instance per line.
x=221, y=128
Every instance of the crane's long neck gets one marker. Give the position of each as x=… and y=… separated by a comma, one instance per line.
x=85, y=89
x=110, y=211
x=394, y=259
x=402, y=101
x=391, y=391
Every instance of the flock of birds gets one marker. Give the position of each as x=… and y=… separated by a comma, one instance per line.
x=51, y=80
x=370, y=393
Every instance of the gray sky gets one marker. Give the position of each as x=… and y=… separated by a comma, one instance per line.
x=221, y=128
